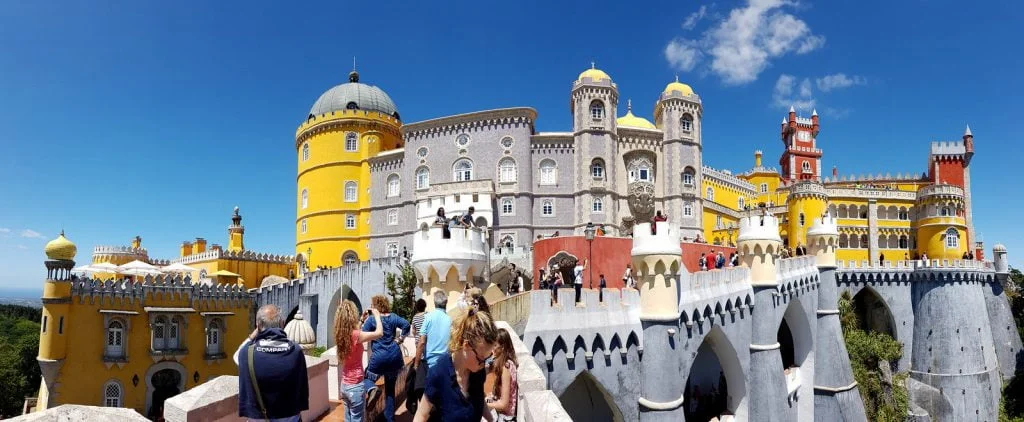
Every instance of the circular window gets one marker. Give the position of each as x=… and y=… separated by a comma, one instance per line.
x=506, y=142
x=422, y=152
x=462, y=140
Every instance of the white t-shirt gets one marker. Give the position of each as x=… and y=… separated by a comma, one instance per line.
x=578, y=274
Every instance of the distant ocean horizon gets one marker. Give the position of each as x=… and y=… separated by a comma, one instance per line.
x=22, y=293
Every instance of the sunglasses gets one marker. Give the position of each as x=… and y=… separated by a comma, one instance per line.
x=479, y=361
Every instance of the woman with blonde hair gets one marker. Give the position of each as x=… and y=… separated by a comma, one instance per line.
x=349, y=340
x=386, y=356
x=455, y=384
x=505, y=396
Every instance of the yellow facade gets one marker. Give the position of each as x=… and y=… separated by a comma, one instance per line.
x=325, y=165
x=97, y=345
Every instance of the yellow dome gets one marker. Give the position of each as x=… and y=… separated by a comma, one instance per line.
x=594, y=74
x=629, y=120
x=678, y=86
x=61, y=248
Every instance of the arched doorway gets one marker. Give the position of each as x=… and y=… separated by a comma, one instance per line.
x=586, y=400
x=346, y=293
x=795, y=345
x=872, y=312
x=163, y=381
x=565, y=263
x=715, y=384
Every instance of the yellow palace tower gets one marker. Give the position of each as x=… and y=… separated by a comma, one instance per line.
x=347, y=125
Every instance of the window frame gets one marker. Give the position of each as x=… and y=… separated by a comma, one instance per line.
x=764, y=188
x=511, y=205
x=351, y=191
x=305, y=151
x=687, y=209
x=597, y=206
x=394, y=186
x=597, y=110
x=215, y=331
x=351, y=142
x=304, y=198
x=952, y=238
x=115, y=350
x=508, y=170
x=597, y=169
x=350, y=221
x=464, y=174
x=422, y=178
x=686, y=123
x=805, y=167
x=118, y=399
x=392, y=217
x=709, y=194
x=388, y=250
x=302, y=225
x=547, y=208
x=689, y=178
x=548, y=174
x=349, y=258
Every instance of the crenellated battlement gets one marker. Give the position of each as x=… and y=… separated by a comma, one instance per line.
x=664, y=242
x=590, y=325
x=800, y=267
x=119, y=250
x=759, y=227
x=214, y=254
x=940, y=191
x=466, y=251
x=158, y=288
x=809, y=189
x=825, y=225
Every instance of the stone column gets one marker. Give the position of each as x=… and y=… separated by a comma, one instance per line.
x=657, y=262
x=759, y=245
x=872, y=231
x=835, y=391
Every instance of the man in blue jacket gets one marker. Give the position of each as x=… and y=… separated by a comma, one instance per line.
x=277, y=387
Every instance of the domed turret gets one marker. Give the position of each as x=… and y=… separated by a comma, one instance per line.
x=629, y=120
x=299, y=331
x=823, y=239
x=677, y=86
x=354, y=96
x=61, y=249
x=594, y=74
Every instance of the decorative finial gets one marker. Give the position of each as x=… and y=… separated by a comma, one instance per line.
x=967, y=132
x=629, y=105
x=592, y=64
x=353, y=63
x=677, y=77
x=62, y=232
x=236, y=209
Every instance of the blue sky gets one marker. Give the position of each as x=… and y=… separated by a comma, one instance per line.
x=156, y=118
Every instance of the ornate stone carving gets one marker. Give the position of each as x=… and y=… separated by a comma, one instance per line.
x=641, y=200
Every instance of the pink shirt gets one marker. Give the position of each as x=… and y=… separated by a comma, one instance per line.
x=352, y=373
x=513, y=390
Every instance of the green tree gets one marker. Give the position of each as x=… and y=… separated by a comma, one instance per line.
x=1011, y=407
x=402, y=289
x=871, y=356
x=19, y=346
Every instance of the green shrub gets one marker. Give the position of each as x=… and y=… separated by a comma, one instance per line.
x=884, y=400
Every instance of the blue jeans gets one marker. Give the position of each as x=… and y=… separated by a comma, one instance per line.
x=355, y=403
x=390, y=379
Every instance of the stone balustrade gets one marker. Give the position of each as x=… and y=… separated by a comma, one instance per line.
x=940, y=190
x=217, y=399
x=869, y=193
x=909, y=265
x=514, y=310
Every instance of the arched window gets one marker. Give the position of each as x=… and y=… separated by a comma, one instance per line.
x=112, y=394
x=350, y=221
x=393, y=217
x=597, y=206
x=709, y=194
x=507, y=206
x=718, y=221
x=864, y=241
x=351, y=192
x=394, y=185
x=882, y=242
x=597, y=168
x=351, y=142
x=801, y=219
x=686, y=123
x=881, y=213
x=160, y=333
x=688, y=174
x=903, y=242
x=305, y=198
x=305, y=151
x=596, y=110
x=547, y=172
x=952, y=238
x=422, y=178
x=688, y=210
x=640, y=170
x=741, y=203
x=507, y=170
x=463, y=170
x=547, y=208
x=844, y=241
x=806, y=166
x=213, y=334
x=854, y=242
x=391, y=249
x=115, y=339
x=349, y=258
x=945, y=212
x=303, y=225
x=764, y=188
x=904, y=214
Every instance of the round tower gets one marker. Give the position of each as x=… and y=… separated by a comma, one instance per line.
x=593, y=103
x=941, y=225
x=451, y=264
x=999, y=259
x=60, y=259
x=657, y=259
x=347, y=125
x=806, y=201
x=834, y=385
x=236, y=233
x=758, y=245
x=679, y=114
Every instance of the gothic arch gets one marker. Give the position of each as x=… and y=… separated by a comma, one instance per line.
x=585, y=399
x=343, y=293
x=873, y=313
x=718, y=344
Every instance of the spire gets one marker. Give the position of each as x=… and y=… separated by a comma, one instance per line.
x=783, y=120
x=792, y=110
x=967, y=132
x=629, y=105
x=814, y=113
x=353, y=76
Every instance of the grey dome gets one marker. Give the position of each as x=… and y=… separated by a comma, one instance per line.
x=364, y=97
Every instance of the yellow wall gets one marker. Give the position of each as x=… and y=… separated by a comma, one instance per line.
x=931, y=237
x=252, y=272
x=83, y=374
x=810, y=207
x=324, y=175
x=772, y=196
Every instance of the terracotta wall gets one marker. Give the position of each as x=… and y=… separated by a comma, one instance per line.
x=609, y=256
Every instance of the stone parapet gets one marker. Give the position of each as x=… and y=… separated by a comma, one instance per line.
x=664, y=242
x=215, y=254
x=74, y=412
x=618, y=316
x=870, y=193
x=942, y=191
x=466, y=251
x=162, y=287
x=217, y=399
x=904, y=265
x=536, y=402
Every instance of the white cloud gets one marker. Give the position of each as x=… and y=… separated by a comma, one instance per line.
x=5, y=230
x=31, y=234
x=22, y=247
x=695, y=17
x=838, y=81
x=683, y=54
x=743, y=44
x=789, y=93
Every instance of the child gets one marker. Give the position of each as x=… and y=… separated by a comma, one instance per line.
x=505, y=396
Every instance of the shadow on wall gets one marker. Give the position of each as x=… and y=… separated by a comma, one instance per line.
x=586, y=400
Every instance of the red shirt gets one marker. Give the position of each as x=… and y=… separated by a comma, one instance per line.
x=352, y=370
x=709, y=260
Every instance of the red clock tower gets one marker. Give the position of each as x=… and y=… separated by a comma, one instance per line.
x=801, y=159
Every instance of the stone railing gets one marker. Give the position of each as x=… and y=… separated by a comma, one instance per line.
x=217, y=399
x=868, y=193
x=536, y=402
x=242, y=255
x=724, y=177
x=940, y=190
x=168, y=286
x=460, y=188
x=804, y=120
x=865, y=265
x=805, y=149
x=118, y=250
x=515, y=310
x=807, y=188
